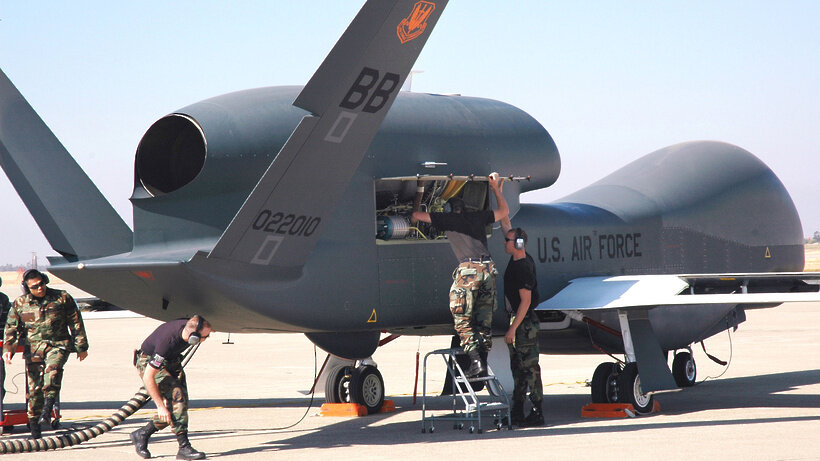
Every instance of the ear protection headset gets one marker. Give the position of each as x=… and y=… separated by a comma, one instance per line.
x=196, y=336
x=520, y=239
x=31, y=274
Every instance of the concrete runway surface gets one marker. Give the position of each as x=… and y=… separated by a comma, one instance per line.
x=765, y=406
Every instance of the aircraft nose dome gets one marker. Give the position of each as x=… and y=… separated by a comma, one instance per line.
x=171, y=154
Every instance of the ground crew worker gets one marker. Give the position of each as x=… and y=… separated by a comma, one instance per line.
x=4, y=313
x=49, y=324
x=521, y=295
x=472, y=294
x=159, y=363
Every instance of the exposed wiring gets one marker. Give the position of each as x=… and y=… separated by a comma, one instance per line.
x=420, y=232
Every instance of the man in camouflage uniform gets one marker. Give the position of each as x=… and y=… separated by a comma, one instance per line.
x=521, y=294
x=472, y=294
x=159, y=363
x=49, y=324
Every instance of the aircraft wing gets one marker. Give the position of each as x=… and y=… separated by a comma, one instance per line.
x=646, y=291
x=633, y=296
x=348, y=96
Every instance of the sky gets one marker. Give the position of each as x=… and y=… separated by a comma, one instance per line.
x=610, y=80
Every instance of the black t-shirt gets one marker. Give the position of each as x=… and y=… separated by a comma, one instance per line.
x=465, y=231
x=4, y=309
x=520, y=274
x=165, y=343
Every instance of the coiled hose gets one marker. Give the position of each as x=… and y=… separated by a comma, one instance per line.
x=77, y=437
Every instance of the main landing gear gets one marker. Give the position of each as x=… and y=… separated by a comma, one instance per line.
x=362, y=384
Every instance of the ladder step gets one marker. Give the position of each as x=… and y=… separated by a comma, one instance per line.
x=475, y=380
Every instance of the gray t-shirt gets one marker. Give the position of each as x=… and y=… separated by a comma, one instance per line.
x=465, y=231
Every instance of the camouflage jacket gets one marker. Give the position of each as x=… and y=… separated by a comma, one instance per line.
x=52, y=320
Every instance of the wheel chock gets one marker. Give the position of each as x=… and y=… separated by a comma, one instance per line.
x=353, y=409
x=613, y=410
x=388, y=407
x=343, y=409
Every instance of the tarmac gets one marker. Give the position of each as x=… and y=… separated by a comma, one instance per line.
x=247, y=401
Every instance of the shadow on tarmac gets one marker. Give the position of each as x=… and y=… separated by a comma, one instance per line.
x=562, y=412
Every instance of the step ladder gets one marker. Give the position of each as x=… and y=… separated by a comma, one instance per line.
x=469, y=409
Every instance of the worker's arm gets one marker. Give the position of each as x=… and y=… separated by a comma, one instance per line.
x=421, y=216
x=11, y=334
x=148, y=380
x=76, y=326
x=523, y=307
x=506, y=225
x=503, y=210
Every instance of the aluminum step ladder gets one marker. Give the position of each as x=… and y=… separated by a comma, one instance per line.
x=469, y=409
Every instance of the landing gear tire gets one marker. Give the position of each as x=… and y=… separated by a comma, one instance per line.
x=367, y=388
x=604, y=385
x=684, y=369
x=337, y=386
x=629, y=389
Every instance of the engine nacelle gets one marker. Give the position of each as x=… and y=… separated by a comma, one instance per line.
x=220, y=147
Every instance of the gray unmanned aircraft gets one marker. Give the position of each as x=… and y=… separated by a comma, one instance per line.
x=286, y=209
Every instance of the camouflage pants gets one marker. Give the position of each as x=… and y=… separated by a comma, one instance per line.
x=174, y=390
x=524, y=363
x=44, y=367
x=472, y=302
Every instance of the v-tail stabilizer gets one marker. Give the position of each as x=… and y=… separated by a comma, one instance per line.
x=348, y=96
x=73, y=215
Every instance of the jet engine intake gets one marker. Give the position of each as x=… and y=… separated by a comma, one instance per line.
x=171, y=154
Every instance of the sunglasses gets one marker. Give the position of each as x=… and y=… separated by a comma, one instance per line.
x=36, y=287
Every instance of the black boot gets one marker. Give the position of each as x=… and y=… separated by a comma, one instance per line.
x=535, y=418
x=186, y=451
x=476, y=367
x=517, y=414
x=140, y=439
x=34, y=427
x=45, y=416
x=482, y=353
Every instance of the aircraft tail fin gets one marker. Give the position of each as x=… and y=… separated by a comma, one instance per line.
x=348, y=96
x=73, y=215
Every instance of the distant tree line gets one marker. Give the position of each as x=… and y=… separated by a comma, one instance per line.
x=814, y=238
x=12, y=267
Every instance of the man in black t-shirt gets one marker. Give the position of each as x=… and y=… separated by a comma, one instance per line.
x=159, y=363
x=472, y=295
x=4, y=313
x=521, y=294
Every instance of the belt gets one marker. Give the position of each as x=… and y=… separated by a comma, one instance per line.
x=479, y=260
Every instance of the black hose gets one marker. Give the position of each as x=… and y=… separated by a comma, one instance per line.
x=77, y=437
